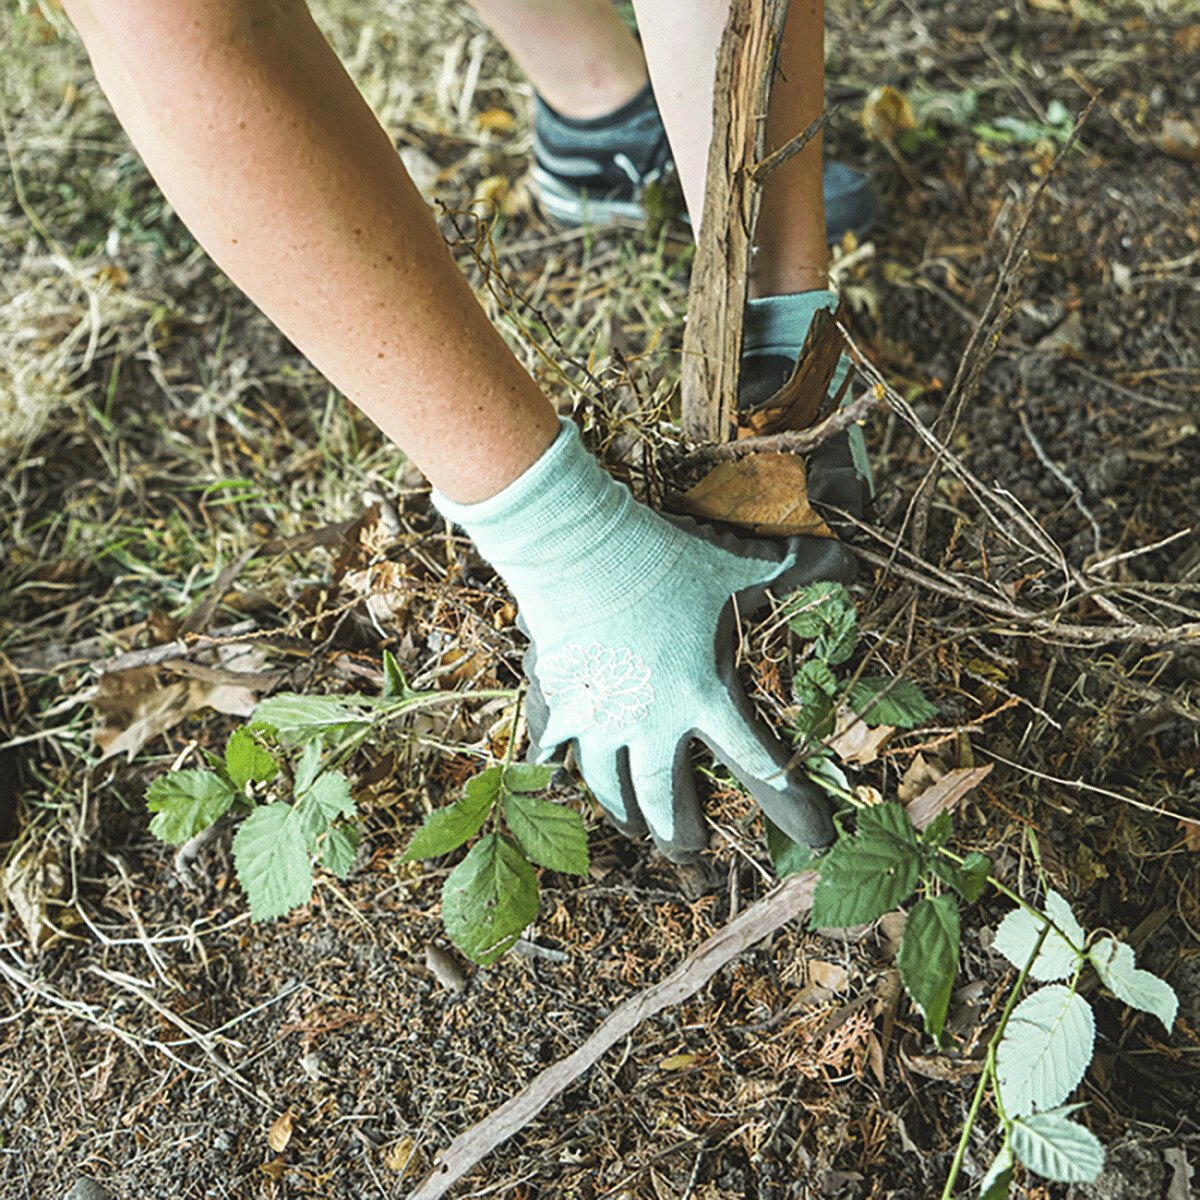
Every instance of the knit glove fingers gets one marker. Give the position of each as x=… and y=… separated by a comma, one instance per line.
x=759, y=762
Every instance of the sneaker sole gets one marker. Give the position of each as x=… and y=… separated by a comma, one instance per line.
x=570, y=206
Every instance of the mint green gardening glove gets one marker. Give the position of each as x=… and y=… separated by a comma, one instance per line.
x=633, y=633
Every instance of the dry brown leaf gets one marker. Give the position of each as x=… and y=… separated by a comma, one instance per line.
x=764, y=494
x=921, y=775
x=832, y=976
x=854, y=741
x=280, y=1132
x=445, y=968
x=401, y=1154
x=887, y=114
x=135, y=707
x=1188, y=38
x=1180, y=139
x=945, y=794
x=875, y=1059
x=1191, y=835
x=274, y=1170
x=891, y=928
x=679, y=1062
x=495, y=120
x=28, y=884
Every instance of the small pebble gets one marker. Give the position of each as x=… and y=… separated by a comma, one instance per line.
x=88, y=1189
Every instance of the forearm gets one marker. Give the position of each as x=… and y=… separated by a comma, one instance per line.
x=273, y=160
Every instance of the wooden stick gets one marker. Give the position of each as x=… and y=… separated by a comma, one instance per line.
x=791, y=899
x=712, y=339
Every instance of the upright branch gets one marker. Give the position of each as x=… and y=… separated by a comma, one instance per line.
x=712, y=340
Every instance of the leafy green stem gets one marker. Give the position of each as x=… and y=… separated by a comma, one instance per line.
x=989, y=1069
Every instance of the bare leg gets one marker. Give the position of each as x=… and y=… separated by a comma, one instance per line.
x=681, y=49
x=274, y=161
x=577, y=53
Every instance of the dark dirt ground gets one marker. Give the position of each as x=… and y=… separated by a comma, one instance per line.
x=153, y=1041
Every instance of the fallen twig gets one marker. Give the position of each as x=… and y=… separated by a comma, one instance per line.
x=791, y=899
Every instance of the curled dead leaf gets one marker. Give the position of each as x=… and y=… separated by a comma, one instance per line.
x=944, y=795
x=135, y=706
x=32, y=881
x=854, y=741
x=402, y=1155
x=832, y=976
x=922, y=773
x=280, y=1132
x=763, y=494
x=886, y=114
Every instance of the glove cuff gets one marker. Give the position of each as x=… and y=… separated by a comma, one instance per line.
x=566, y=527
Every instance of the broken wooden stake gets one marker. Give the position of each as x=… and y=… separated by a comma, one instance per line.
x=712, y=338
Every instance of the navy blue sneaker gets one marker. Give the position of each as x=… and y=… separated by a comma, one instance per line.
x=596, y=171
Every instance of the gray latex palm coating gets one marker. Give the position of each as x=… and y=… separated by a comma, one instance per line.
x=796, y=805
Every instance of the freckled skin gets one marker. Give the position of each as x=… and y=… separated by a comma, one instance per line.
x=351, y=267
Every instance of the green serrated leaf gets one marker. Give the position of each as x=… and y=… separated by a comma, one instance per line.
x=967, y=880
x=340, y=849
x=813, y=687
x=869, y=874
x=187, y=802
x=1057, y=1148
x=937, y=832
x=1019, y=931
x=1116, y=965
x=395, y=685
x=810, y=610
x=528, y=777
x=308, y=767
x=787, y=857
x=973, y=876
x=551, y=834
x=1045, y=1050
x=446, y=829
x=896, y=702
x=247, y=761
x=928, y=958
x=272, y=861
x=998, y=1179
x=489, y=899
x=327, y=798
x=298, y=719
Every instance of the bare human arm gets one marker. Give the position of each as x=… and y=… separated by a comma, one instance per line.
x=272, y=158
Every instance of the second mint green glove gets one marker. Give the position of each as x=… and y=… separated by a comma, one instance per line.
x=632, y=626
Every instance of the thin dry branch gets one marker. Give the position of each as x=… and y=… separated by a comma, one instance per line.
x=791, y=899
x=792, y=441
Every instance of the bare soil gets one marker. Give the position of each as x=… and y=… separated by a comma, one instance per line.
x=155, y=1041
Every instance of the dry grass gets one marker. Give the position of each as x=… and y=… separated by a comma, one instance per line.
x=153, y=427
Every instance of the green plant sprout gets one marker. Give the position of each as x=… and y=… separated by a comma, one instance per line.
x=289, y=821
x=1041, y=1046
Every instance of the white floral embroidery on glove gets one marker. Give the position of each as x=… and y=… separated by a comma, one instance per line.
x=595, y=686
